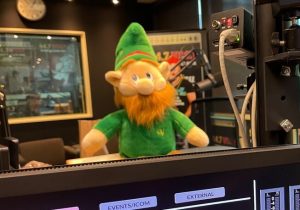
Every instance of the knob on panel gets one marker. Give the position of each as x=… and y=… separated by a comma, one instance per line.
x=216, y=24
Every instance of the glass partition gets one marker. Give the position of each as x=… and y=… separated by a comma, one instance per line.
x=44, y=74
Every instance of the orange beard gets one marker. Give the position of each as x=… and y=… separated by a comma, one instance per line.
x=145, y=110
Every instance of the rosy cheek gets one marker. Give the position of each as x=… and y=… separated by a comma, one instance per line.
x=160, y=84
x=127, y=89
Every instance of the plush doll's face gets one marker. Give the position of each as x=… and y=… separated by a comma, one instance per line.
x=139, y=77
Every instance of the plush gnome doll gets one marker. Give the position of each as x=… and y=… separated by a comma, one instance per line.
x=147, y=123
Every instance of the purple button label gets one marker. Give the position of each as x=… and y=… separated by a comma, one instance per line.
x=199, y=195
x=137, y=203
x=294, y=197
x=272, y=198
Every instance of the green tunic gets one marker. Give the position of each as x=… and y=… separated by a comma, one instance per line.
x=136, y=141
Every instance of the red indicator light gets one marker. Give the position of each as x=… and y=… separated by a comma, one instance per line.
x=223, y=21
x=229, y=23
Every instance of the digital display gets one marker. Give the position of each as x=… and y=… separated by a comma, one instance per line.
x=269, y=188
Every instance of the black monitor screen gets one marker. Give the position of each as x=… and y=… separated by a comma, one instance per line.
x=265, y=180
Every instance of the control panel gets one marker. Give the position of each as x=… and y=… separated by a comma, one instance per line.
x=225, y=22
x=234, y=179
x=237, y=53
x=239, y=19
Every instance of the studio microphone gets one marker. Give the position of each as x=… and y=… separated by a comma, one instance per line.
x=212, y=81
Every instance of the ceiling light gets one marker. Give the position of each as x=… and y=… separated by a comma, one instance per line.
x=115, y=2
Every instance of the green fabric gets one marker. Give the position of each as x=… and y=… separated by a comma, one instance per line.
x=134, y=45
x=137, y=141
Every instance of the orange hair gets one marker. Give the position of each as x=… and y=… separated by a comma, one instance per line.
x=145, y=110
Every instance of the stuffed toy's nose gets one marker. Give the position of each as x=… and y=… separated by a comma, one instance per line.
x=145, y=86
x=160, y=84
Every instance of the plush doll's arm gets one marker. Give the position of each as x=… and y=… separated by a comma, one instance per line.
x=92, y=142
x=102, y=132
x=187, y=129
x=197, y=137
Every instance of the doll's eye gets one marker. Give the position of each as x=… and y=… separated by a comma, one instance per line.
x=134, y=77
x=149, y=75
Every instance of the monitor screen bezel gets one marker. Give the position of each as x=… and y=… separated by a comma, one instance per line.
x=64, y=178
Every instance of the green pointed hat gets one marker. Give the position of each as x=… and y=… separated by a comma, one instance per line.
x=134, y=45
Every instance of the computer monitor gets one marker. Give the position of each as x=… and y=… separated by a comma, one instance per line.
x=4, y=158
x=10, y=144
x=261, y=178
x=13, y=146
